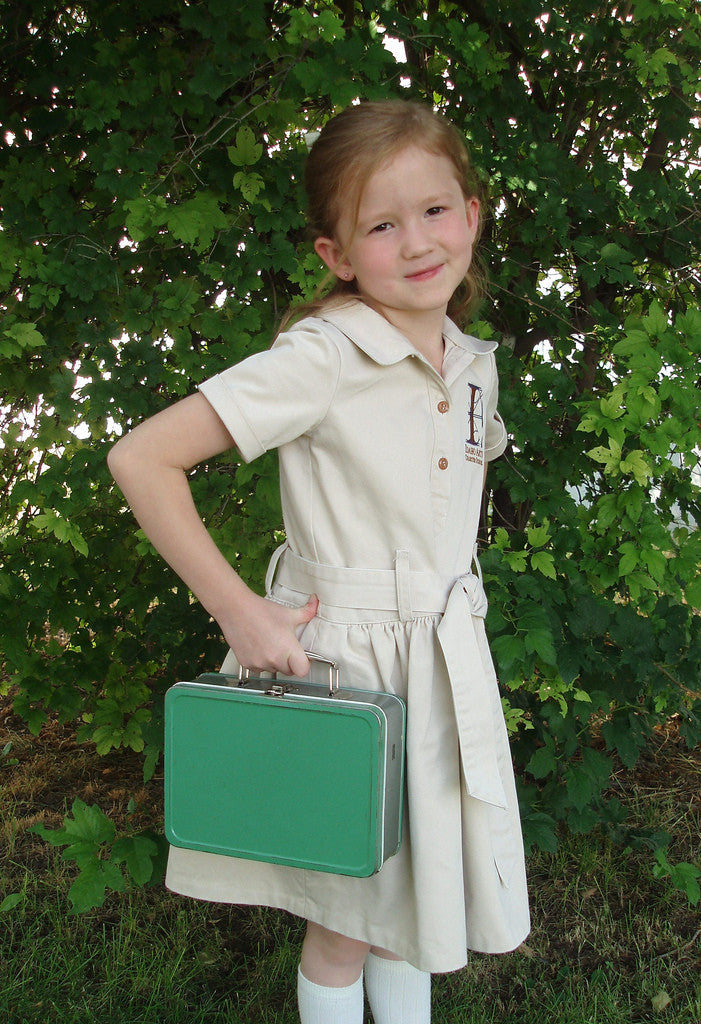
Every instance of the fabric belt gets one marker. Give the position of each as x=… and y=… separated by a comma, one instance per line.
x=409, y=594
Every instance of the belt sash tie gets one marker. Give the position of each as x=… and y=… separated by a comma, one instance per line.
x=409, y=594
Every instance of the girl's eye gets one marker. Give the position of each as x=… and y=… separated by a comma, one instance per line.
x=433, y=211
x=379, y=228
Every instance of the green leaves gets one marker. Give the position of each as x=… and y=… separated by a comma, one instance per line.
x=153, y=234
x=625, y=734
x=65, y=532
x=193, y=222
x=543, y=762
x=614, y=463
x=519, y=560
x=88, y=836
x=306, y=24
x=682, y=876
x=20, y=338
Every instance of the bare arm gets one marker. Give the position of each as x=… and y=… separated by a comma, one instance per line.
x=150, y=464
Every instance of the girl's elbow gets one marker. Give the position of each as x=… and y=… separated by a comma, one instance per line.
x=118, y=458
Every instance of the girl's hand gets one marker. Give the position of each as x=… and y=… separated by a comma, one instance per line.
x=263, y=635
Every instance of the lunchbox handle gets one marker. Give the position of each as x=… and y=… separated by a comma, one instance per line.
x=334, y=684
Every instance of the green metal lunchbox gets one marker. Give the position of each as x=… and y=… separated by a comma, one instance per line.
x=286, y=771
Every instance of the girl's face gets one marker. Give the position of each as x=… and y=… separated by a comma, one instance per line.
x=412, y=243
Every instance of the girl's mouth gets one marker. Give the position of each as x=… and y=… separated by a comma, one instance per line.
x=425, y=275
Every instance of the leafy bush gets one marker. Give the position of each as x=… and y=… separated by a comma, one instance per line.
x=152, y=234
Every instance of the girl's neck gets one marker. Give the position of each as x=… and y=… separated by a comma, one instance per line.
x=432, y=350
x=423, y=330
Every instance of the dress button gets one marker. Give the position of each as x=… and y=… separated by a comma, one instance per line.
x=443, y=407
x=442, y=463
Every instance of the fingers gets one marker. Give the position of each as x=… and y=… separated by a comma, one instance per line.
x=266, y=639
x=298, y=662
x=307, y=612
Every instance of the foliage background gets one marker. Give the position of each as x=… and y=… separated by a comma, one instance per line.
x=152, y=233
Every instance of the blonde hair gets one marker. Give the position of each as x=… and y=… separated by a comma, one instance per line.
x=350, y=148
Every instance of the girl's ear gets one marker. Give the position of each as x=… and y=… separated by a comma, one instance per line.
x=332, y=255
x=472, y=209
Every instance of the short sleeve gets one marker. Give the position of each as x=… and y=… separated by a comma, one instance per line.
x=495, y=443
x=273, y=397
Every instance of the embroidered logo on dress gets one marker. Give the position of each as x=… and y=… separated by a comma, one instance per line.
x=474, y=442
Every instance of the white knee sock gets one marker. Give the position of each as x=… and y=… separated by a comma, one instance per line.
x=397, y=992
x=321, y=1005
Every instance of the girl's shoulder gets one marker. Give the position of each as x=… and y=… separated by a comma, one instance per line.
x=347, y=325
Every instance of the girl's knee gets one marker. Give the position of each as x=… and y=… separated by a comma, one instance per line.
x=332, y=959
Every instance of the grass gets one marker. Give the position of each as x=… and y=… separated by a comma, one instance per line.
x=610, y=944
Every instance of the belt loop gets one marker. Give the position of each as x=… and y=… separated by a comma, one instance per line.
x=402, y=578
x=272, y=566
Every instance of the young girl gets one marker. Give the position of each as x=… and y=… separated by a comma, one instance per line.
x=385, y=416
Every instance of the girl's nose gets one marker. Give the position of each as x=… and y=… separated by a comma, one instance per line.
x=416, y=240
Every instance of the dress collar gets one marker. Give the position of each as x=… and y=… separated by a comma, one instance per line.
x=385, y=344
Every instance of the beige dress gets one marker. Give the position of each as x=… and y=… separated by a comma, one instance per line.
x=381, y=463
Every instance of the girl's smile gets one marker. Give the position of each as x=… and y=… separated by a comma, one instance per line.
x=424, y=275
x=411, y=245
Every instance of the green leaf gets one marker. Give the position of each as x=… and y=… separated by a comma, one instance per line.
x=250, y=184
x=579, y=786
x=692, y=593
x=515, y=718
x=20, y=338
x=508, y=649
x=538, y=535
x=542, y=763
x=612, y=405
x=632, y=344
x=89, y=890
x=247, y=151
x=581, y=821
x=88, y=825
x=195, y=223
x=609, y=457
x=516, y=560
x=11, y=901
x=139, y=853
x=107, y=737
x=660, y=1001
x=544, y=562
x=540, y=642
x=597, y=765
x=623, y=734
x=636, y=464
x=630, y=558
x=539, y=829
x=184, y=224
x=144, y=216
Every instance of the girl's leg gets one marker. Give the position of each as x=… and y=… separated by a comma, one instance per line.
x=330, y=978
x=397, y=992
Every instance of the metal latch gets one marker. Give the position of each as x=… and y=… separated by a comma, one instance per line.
x=277, y=691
